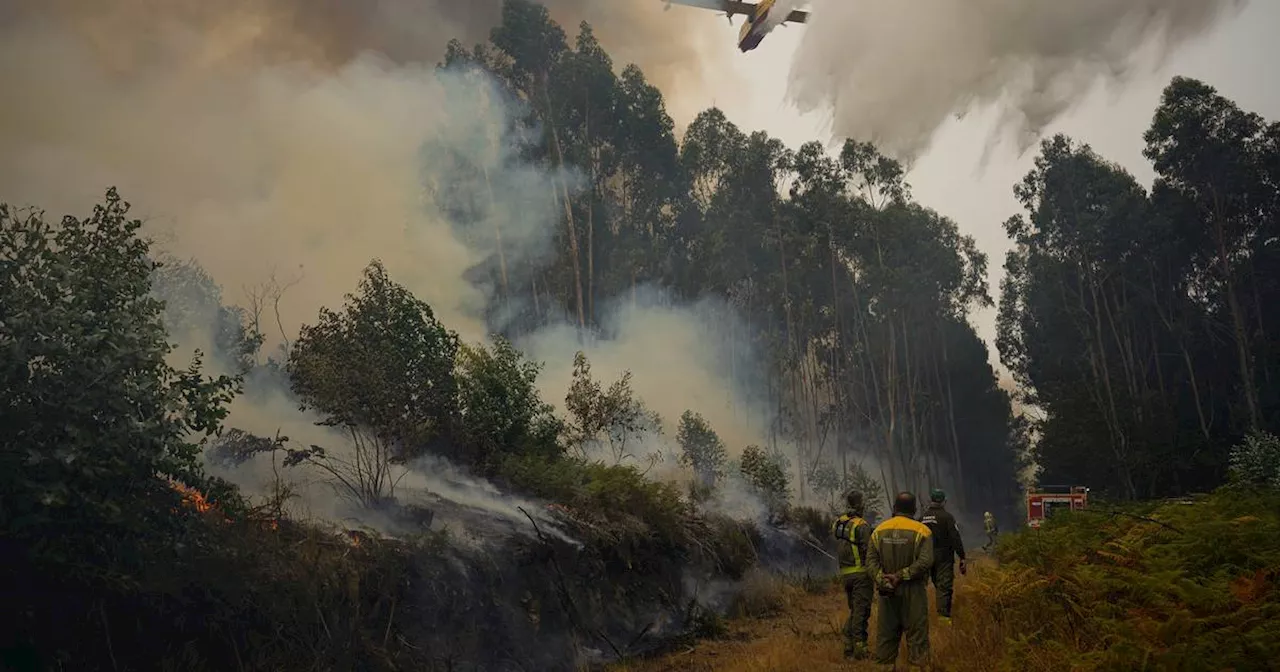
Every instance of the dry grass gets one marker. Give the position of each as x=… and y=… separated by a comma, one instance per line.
x=806, y=637
x=763, y=595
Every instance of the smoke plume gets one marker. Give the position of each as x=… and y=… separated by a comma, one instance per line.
x=283, y=149
x=892, y=72
x=675, y=51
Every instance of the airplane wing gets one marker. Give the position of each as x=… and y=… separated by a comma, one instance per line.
x=731, y=7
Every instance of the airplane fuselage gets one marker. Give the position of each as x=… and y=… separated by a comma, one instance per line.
x=758, y=23
x=751, y=40
x=754, y=29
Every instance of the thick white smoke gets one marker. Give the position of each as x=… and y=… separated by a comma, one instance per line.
x=893, y=72
x=304, y=170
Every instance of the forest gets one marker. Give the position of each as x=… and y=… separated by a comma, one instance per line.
x=1131, y=319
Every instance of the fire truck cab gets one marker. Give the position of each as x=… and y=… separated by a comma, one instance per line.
x=1044, y=501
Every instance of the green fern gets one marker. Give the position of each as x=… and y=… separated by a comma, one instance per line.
x=1168, y=586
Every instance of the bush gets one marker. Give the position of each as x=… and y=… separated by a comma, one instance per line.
x=761, y=595
x=1256, y=460
x=1176, y=586
x=631, y=518
x=615, y=503
x=812, y=521
x=97, y=425
x=767, y=475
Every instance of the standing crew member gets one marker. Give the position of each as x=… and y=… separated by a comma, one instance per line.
x=989, y=526
x=947, y=545
x=898, y=559
x=853, y=535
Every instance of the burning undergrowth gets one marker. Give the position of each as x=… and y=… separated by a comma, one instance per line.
x=594, y=563
x=424, y=509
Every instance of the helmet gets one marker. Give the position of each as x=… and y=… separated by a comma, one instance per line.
x=937, y=495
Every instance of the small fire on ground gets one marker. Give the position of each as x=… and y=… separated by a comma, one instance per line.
x=194, y=499
x=191, y=497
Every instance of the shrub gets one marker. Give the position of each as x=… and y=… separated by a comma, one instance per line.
x=762, y=594
x=97, y=425
x=767, y=474
x=1177, y=586
x=1256, y=460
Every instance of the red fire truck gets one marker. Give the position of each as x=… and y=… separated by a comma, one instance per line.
x=1042, y=502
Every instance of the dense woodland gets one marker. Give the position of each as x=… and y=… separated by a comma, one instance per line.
x=854, y=297
x=1137, y=319
x=1133, y=321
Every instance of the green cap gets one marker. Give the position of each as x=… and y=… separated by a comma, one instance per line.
x=937, y=495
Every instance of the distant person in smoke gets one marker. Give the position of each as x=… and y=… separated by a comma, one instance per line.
x=853, y=534
x=989, y=526
x=947, y=546
x=898, y=559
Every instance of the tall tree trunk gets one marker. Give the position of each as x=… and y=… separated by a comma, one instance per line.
x=802, y=457
x=497, y=233
x=1178, y=334
x=568, y=204
x=951, y=419
x=837, y=383
x=591, y=223
x=1120, y=439
x=1247, y=382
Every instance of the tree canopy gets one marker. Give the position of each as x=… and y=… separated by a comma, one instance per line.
x=1136, y=320
x=854, y=297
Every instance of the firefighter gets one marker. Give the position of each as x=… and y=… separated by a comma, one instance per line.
x=898, y=559
x=853, y=534
x=989, y=526
x=947, y=546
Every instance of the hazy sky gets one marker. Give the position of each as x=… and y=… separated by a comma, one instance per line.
x=1236, y=58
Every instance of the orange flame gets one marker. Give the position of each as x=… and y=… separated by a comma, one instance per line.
x=192, y=498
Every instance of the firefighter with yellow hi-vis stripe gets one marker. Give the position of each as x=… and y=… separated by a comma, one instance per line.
x=898, y=559
x=853, y=534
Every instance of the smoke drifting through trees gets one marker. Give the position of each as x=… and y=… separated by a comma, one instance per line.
x=893, y=72
x=772, y=316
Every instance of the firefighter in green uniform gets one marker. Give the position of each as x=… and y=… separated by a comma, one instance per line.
x=898, y=559
x=989, y=526
x=853, y=534
x=947, y=546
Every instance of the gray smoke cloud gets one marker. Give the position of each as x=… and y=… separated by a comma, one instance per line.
x=893, y=72
x=675, y=50
x=282, y=148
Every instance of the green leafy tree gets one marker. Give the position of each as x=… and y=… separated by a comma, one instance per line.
x=97, y=425
x=382, y=369
x=767, y=474
x=382, y=373
x=701, y=449
x=500, y=412
x=1135, y=321
x=615, y=417
x=1217, y=168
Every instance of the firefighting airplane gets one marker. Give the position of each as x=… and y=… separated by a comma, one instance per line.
x=758, y=20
